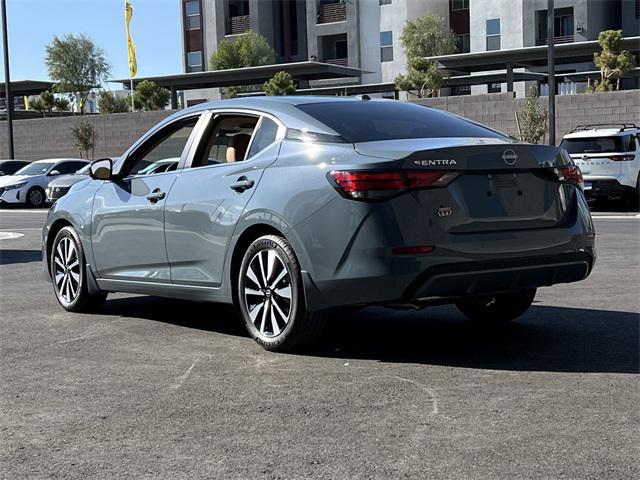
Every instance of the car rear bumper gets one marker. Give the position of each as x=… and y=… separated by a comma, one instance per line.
x=605, y=187
x=459, y=265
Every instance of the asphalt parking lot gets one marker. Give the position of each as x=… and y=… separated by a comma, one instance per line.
x=155, y=388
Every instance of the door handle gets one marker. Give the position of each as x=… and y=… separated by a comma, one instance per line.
x=156, y=195
x=242, y=184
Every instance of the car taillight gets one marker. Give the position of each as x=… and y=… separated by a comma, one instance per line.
x=377, y=185
x=571, y=174
x=622, y=158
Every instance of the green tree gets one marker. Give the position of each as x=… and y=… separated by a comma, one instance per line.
x=425, y=37
x=150, y=96
x=423, y=77
x=280, y=84
x=428, y=36
x=47, y=103
x=77, y=65
x=613, y=61
x=83, y=136
x=48, y=100
x=248, y=50
x=532, y=120
x=36, y=105
x=108, y=102
x=61, y=105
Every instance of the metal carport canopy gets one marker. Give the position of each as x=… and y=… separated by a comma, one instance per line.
x=26, y=87
x=576, y=52
x=248, y=76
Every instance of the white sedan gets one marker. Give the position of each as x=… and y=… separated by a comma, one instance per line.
x=28, y=184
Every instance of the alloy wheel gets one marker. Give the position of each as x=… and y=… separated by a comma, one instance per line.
x=36, y=197
x=67, y=270
x=267, y=293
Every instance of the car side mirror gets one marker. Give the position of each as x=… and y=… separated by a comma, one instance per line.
x=101, y=169
x=53, y=173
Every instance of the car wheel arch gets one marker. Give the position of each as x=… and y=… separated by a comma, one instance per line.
x=55, y=227
x=245, y=239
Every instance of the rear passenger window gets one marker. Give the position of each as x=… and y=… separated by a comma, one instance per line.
x=69, y=167
x=264, y=136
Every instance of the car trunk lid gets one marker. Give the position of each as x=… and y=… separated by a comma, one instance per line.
x=499, y=185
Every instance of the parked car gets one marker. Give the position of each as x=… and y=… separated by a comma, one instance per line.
x=60, y=185
x=609, y=157
x=28, y=184
x=9, y=167
x=289, y=207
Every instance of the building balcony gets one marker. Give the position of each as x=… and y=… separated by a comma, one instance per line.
x=558, y=39
x=239, y=25
x=344, y=62
x=332, y=12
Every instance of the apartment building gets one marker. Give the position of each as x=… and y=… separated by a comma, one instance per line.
x=358, y=33
x=366, y=33
x=508, y=24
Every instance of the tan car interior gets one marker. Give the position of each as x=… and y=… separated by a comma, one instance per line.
x=229, y=140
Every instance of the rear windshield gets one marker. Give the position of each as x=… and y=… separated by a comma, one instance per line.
x=370, y=121
x=598, y=144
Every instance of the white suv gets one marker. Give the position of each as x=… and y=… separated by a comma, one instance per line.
x=609, y=157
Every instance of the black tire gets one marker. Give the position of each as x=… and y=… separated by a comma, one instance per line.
x=498, y=308
x=262, y=297
x=72, y=299
x=35, y=197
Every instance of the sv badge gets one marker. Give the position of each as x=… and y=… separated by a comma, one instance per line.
x=445, y=211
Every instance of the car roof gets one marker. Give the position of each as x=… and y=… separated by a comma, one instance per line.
x=602, y=132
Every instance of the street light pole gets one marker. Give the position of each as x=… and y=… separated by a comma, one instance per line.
x=551, y=60
x=7, y=77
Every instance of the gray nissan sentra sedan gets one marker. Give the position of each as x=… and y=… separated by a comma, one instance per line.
x=289, y=207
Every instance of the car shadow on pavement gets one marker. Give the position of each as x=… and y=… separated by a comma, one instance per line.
x=9, y=257
x=555, y=339
x=212, y=317
x=552, y=339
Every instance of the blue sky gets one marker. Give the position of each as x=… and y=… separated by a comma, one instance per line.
x=155, y=29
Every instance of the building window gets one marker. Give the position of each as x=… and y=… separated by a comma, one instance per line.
x=238, y=18
x=637, y=8
x=493, y=34
x=459, y=4
x=386, y=46
x=494, y=88
x=563, y=25
x=192, y=14
x=334, y=49
x=463, y=43
x=194, y=61
x=385, y=2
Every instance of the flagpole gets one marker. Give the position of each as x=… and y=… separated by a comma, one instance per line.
x=133, y=107
x=133, y=65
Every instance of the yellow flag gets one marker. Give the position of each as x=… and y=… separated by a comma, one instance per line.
x=133, y=64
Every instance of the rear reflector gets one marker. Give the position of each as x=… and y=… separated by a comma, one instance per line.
x=415, y=250
x=376, y=185
x=622, y=158
x=571, y=174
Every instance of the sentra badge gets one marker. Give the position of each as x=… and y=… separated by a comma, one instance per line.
x=435, y=163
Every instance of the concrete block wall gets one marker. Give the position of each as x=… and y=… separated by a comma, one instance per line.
x=497, y=110
x=35, y=139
